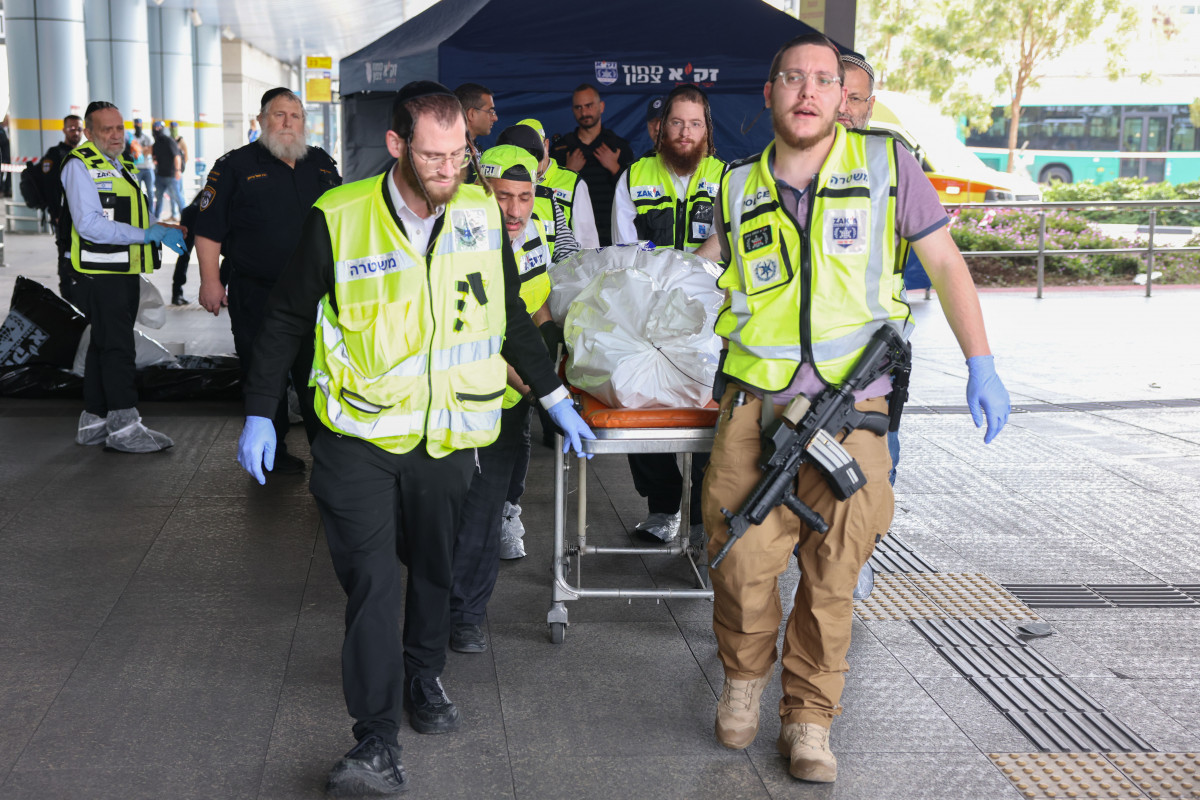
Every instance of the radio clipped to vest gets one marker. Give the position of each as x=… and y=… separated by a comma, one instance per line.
x=806, y=433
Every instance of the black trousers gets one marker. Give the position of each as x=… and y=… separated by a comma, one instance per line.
x=363, y=494
x=110, y=303
x=477, y=545
x=656, y=477
x=247, y=304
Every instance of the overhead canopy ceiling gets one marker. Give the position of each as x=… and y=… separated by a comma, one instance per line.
x=296, y=28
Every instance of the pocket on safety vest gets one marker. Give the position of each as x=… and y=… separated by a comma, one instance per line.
x=380, y=336
x=764, y=267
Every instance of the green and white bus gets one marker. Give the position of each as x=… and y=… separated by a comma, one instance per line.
x=1071, y=142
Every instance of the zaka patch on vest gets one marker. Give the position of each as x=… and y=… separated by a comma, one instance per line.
x=470, y=229
x=845, y=231
x=756, y=239
x=207, y=196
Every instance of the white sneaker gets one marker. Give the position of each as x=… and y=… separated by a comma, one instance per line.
x=658, y=527
x=512, y=533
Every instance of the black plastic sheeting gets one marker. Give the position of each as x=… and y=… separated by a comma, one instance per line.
x=39, y=338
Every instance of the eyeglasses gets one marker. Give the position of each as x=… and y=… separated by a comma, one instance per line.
x=855, y=100
x=794, y=79
x=677, y=124
x=458, y=158
x=491, y=112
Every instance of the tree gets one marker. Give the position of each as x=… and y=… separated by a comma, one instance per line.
x=1013, y=40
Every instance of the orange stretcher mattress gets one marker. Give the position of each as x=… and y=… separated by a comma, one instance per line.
x=598, y=415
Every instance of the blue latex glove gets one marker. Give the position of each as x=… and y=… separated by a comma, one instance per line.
x=572, y=425
x=171, y=237
x=986, y=396
x=256, y=447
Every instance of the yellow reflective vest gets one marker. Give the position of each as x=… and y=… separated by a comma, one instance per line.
x=669, y=221
x=816, y=293
x=533, y=259
x=412, y=350
x=122, y=201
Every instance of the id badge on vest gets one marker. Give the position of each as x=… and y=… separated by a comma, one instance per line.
x=702, y=221
x=844, y=231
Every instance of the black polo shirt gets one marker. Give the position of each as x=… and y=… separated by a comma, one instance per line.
x=600, y=182
x=255, y=205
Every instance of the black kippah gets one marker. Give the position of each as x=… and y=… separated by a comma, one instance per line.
x=415, y=89
x=271, y=94
x=524, y=137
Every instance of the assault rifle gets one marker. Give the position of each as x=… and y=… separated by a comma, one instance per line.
x=805, y=434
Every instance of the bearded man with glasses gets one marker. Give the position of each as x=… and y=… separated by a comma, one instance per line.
x=414, y=292
x=668, y=197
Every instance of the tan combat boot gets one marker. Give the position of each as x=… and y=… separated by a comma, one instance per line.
x=737, y=711
x=806, y=744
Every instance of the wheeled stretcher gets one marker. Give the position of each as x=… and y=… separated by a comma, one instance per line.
x=660, y=430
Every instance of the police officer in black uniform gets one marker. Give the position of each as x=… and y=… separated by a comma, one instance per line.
x=52, y=193
x=251, y=211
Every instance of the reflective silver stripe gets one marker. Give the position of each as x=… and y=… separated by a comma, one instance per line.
x=387, y=425
x=880, y=177
x=786, y=352
x=466, y=353
x=842, y=346
x=464, y=421
x=446, y=242
x=90, y=256
x=736, y=181
x=335, y=347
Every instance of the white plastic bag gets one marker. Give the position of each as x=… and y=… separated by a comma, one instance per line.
x=639, y=325
x=152, y=312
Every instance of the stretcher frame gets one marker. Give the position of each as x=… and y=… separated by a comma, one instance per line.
x=621, y=440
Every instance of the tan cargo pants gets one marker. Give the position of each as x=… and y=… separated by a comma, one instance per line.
x=747, y=610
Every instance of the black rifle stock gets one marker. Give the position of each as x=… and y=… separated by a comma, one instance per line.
x=806, y=433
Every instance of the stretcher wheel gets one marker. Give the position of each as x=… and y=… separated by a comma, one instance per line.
x=557, y=631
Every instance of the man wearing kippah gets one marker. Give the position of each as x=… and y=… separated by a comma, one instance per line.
x=251, y=211
x=568, y=189
x=856, y=109
x=510, y=172
x=408, y=285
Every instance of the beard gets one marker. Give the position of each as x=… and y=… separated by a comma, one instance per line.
x=779, y=121
x=434, y=195
x=683, y=160
x=278, y=146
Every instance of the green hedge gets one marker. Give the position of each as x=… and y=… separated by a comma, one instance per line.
x=1017, y=229
x=1128, y=189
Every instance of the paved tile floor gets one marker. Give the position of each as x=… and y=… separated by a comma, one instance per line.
x=171, y=630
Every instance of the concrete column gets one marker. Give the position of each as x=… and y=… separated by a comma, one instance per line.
x=171, y=86
x=118, y=55
x=206, y=47
x=47, y=67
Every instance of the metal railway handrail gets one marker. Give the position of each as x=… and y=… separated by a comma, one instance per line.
x=1148, y=250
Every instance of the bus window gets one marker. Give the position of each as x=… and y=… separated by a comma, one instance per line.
x=1183, y=134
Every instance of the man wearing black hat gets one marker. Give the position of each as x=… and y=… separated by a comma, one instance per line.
x=251, y=211
x=654, y=120
x=414, y=292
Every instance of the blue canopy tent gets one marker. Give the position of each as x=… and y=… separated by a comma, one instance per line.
x=533, y=53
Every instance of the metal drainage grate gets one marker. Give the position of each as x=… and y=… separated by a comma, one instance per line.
x=1027, y=689
x=1057, y=595
x=1096, y=595
x=893, y=554
x=1144, y=596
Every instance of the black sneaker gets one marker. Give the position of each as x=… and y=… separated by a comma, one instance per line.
x=178, y=299
x=467, y=638
x=288, y=464
x=371, y=769
x=429, y=710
